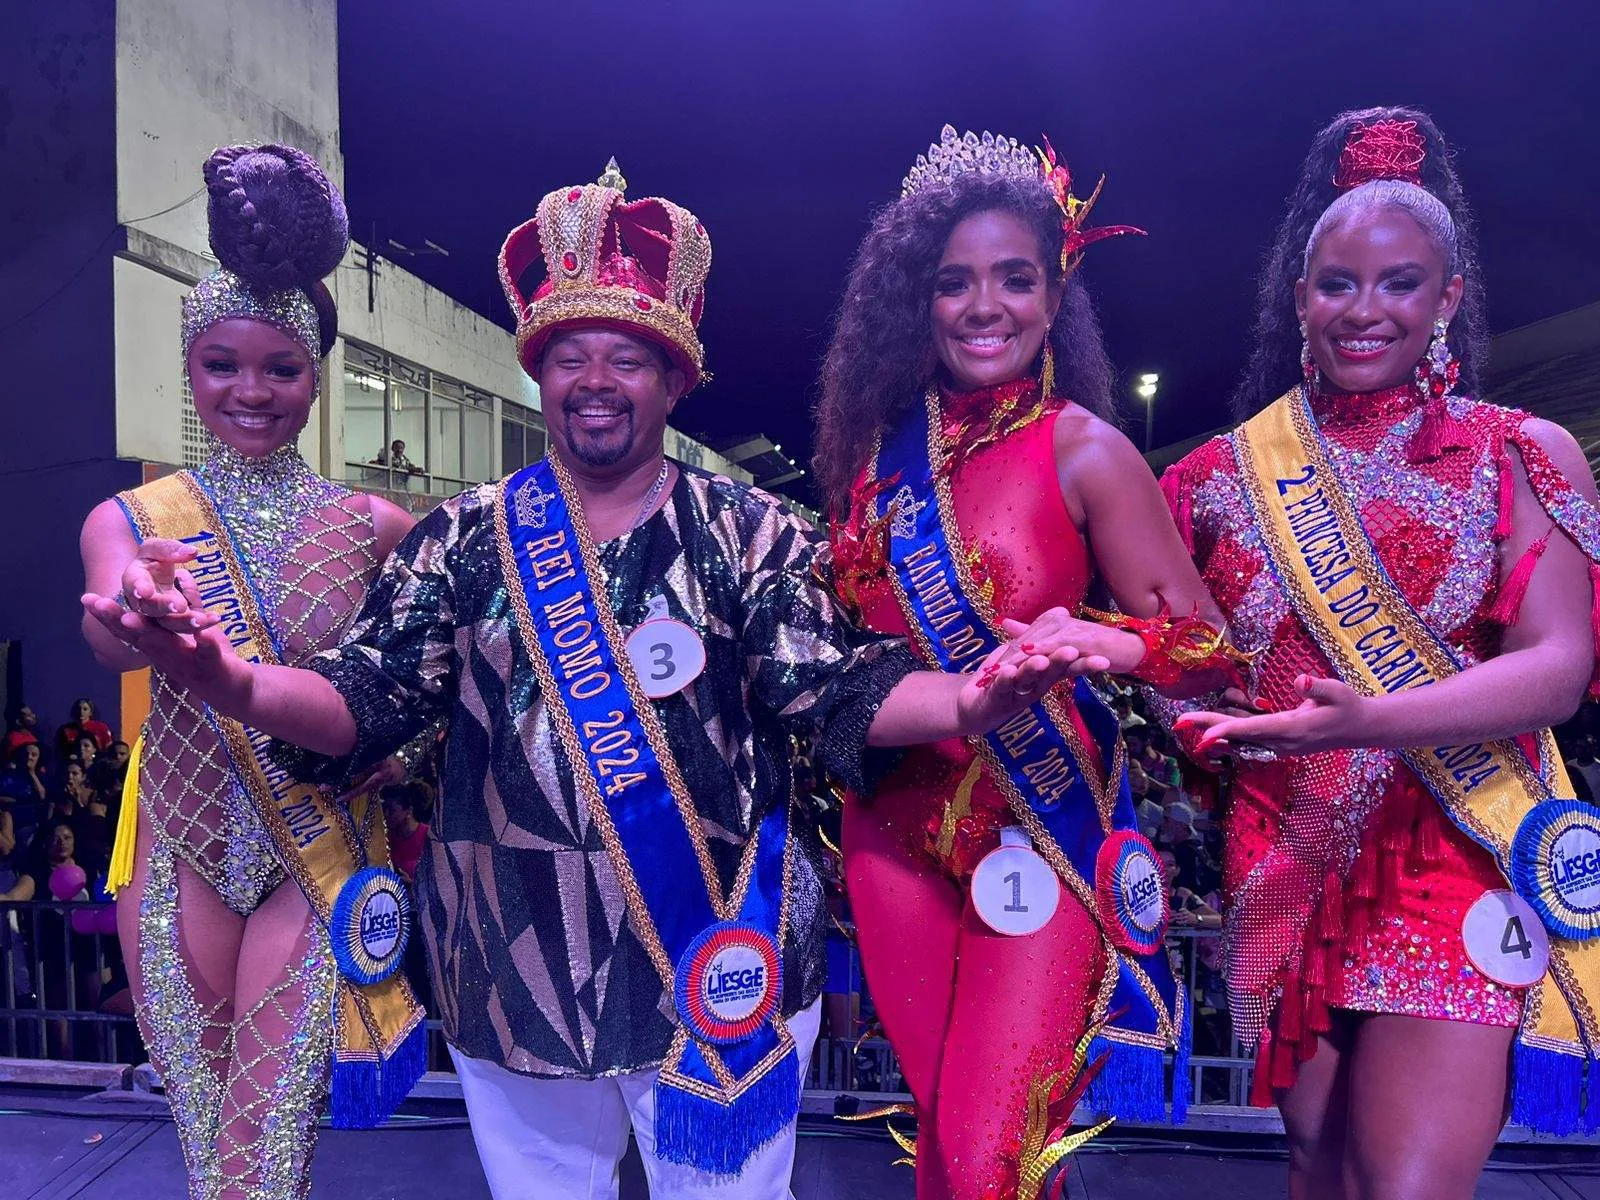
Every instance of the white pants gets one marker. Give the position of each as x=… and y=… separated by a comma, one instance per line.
x=563, y=1139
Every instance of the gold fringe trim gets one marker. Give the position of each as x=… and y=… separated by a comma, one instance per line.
x=125, y=847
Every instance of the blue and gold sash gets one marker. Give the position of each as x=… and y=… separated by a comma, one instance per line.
x=339, y=857
x=731, y=1080
x=1039, y=763
x=1376, y=642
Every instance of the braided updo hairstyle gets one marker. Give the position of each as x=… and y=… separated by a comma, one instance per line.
x=277, y=222
x=1275, y=355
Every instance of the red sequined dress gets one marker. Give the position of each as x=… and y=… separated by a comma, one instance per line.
x=1346, y=883
x=1016, y=1007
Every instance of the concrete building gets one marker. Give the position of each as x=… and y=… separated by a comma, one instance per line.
x=107, y=110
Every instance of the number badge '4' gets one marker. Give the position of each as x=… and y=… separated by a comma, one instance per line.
x=1505, y=939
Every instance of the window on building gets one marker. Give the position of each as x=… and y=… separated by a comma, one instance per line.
x=409, y=429
x=522, y=437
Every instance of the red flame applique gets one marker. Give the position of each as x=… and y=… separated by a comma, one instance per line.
x=1075, y=212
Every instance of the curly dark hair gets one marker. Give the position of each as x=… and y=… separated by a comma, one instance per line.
x=278, y=222
x=1275, y=357
x=881, y=356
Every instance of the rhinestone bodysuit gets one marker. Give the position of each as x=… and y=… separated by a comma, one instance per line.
x=309, y=552
x=935, y=816
x=246, y=1075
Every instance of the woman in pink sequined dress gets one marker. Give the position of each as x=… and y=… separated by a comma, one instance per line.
x=1385, y=1032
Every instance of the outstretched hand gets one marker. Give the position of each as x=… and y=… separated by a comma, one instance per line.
x=1009, y=682
x=1038, y=656
x=1330, y=716
x=1096, y=648
x=157, y=587
x=198, y=658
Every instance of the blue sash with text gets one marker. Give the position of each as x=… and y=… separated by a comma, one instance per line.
x=731, y=1080
x=1035, y=755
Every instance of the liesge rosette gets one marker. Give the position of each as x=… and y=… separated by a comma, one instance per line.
x=1131, y=892
x=1555, y=866
x=728, y=983
x=370, y=924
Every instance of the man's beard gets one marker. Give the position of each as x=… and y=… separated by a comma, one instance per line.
x=602, y=450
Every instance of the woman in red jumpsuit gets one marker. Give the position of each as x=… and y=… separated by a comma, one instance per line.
x=1376, y=952
x=960, y=298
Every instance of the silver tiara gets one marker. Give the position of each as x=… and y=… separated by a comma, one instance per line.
x=961, y=154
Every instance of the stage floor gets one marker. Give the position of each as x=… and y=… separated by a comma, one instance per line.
x=56, y=1144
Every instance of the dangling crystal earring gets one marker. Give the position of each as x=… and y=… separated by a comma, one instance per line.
x=1437, y=373
x=1308, y=365
x=1436, y=377
x=1047, y=376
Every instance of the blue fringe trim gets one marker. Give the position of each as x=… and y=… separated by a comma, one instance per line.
x=719, y=1139
x=403, y=1068
x=366, y=1092
x=1182, y=1084
x=1130, y=1086
x=1547, y=1091
x=354, y=1100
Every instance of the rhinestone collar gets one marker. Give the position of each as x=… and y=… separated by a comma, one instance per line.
x=1384, y=408
x=264, y=500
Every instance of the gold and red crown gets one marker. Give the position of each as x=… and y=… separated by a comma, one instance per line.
x=639, y=266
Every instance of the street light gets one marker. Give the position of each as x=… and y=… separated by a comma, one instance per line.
x=1146, y=390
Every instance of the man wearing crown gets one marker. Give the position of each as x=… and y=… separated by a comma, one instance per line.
x=623, y=927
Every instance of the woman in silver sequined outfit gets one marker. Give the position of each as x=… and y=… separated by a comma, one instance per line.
x=234, y=979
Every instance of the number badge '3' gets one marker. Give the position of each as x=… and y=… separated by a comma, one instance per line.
x=667, y=656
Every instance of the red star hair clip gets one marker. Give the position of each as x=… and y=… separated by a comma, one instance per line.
x=1381, y=150
x=1074, y=212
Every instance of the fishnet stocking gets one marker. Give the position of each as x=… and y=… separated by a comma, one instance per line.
x=245, y=1091
x=278, y=1076
x=184, y=991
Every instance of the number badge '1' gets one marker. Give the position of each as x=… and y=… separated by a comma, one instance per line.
x=1014, y=890
x=667, y=656
x=1506, y=940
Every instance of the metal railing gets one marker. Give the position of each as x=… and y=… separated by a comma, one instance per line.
x=54, y=985
x=1220, y=1068
x=54, y=981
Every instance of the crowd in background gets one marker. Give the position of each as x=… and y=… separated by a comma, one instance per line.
x=61, y=795
x=60, y=800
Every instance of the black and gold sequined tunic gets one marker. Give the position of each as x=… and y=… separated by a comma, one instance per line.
x=535, y=964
